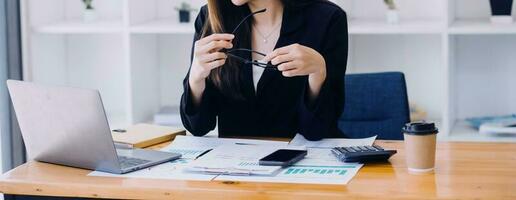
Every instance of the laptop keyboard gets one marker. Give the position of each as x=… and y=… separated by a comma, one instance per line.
x=128, y=162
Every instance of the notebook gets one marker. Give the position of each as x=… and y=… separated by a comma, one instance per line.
x=144, y=135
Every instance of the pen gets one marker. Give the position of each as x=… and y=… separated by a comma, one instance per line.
x=202, y=154
x=227, y=171
x=239, y=143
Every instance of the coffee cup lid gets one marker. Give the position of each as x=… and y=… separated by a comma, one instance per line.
x=420, y=128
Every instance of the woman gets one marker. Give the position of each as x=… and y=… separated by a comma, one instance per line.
x=290, y=82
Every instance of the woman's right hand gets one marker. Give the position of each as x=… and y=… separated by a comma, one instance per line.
x=207, y=55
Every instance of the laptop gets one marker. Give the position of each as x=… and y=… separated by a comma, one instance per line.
x=68, y=126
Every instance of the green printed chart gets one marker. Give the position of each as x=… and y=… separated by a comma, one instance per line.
x=246, y=164
x=179, y=161
x=186, y=153
x=316, y=171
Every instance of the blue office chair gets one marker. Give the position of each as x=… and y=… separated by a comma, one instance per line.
x=375, y=104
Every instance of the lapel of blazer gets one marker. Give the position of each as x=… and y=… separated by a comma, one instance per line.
x=292, y=20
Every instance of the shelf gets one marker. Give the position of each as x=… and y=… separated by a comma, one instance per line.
x=77, y=26
x=163, y=26
x=463, y=132
x=136, y=76
x=171, y=26
x=480, y=26
x=356, y=27
x=379, y=26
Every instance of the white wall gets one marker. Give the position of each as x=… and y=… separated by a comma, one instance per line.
x=419, y=57
x=486, y=75
x=4, y=95
x=174, y=64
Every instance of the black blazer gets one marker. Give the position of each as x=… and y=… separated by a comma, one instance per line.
x=279, y=108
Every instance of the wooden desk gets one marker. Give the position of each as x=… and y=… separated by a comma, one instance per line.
x=463, y=171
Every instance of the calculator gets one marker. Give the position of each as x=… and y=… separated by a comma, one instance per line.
x=362, y=154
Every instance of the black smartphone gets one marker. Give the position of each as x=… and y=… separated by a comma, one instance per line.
x=283, y=157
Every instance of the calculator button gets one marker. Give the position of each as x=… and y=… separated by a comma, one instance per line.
x=370, y=148
x=378, y=147
x=336, y=151
x=355, y=148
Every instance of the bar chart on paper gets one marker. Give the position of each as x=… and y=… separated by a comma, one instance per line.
x=186, y=153
x=311, y=174
x=244, y=164
x=316, y=171
x=173, y=170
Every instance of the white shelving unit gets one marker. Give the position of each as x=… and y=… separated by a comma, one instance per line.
x=76, y=26
x=163, y=26
x=379, y=27
x=479, y=26
x=137, y=55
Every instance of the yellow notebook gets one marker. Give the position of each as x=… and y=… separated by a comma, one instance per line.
x=144, y=135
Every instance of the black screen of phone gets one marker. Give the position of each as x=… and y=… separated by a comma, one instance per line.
x=283, y=155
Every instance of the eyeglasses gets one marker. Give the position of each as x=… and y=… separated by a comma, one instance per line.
x=230, y=52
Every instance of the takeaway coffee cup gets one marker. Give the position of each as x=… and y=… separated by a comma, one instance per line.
x=420, y=138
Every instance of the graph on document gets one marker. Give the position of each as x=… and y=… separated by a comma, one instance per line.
x=186, y=153
x=180, y=161
x=246, y=164
x=316, y=171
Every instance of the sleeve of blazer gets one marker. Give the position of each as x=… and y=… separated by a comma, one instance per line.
x=201, y=120
x=319, y=119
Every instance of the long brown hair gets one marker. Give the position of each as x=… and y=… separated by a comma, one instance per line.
x=222, y=17
x=227, y=78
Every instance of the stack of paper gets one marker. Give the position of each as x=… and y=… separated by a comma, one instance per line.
x=319, y=167
x=190, y=148
x=299, y=140
x=237, y=160
x=173, y=170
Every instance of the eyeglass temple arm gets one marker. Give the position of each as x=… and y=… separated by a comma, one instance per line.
x=245, y=19
x=264, y=65
x=237, y=57
x=248, y=50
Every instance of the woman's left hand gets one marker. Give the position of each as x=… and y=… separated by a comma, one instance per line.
x=298, y=60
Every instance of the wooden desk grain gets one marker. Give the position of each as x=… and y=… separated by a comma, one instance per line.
x=463, y=171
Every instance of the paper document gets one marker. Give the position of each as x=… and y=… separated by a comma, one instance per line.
x=239, y=157
x=337, y=175
x=190, y=148
x=320, y=166
x=319, y=152
x=300, y=140
x=171, y=170
x=236, y=160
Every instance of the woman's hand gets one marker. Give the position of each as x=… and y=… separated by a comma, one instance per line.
x=207, y=56
x=299, y=60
